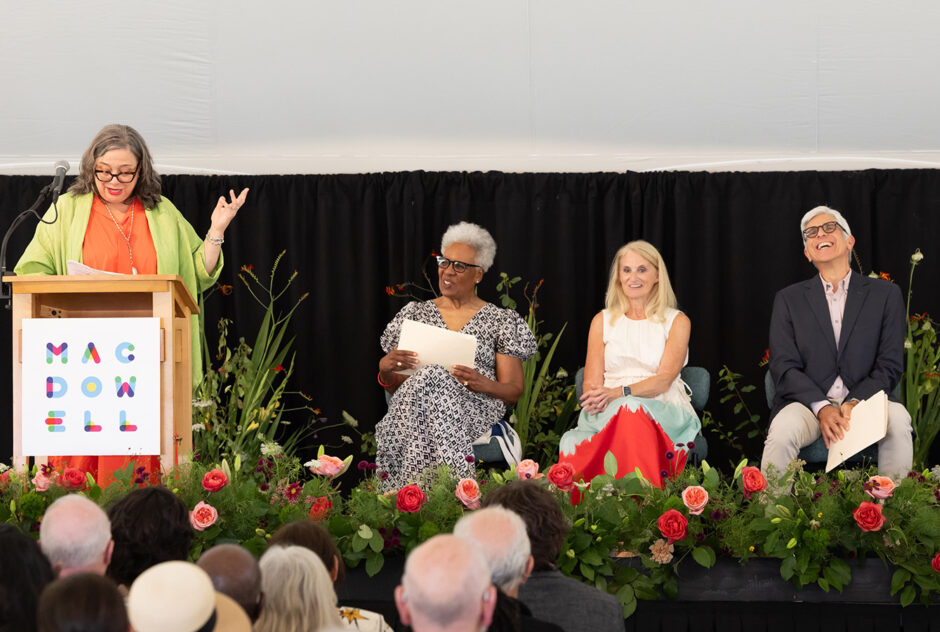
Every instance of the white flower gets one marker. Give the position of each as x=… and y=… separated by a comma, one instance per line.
x=346, y=439
x=199, y=427
x=917, y=257
x=312, y=464
x=562, y=374
x=202, y=403
x=935, y=470
x=271, y=448
x=873, y=275
x=908, y=344
x=3, y=467
x=349, y=419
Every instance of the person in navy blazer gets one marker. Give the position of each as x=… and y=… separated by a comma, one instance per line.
x=835, y=339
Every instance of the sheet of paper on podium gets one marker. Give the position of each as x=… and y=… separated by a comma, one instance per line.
x=74, y=268
x=435, y=345
x=868, y=425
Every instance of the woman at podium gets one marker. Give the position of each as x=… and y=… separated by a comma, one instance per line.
x=115, y=219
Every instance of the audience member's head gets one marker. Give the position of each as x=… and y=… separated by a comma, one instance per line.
x=150, y=525
x=24, y=572
x=544, y=522
x=500, y=534
x=76, y=536
x=82, y=602
x=446, y=586
x=235, y=572
x=178, y=596
x=313, y=536
x=298, y=592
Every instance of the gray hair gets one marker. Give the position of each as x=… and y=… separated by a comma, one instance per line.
x=501, y=535
x=819, y=210
x=474, y=236
x=444, y=580
x=75, y=532
x=298, y=591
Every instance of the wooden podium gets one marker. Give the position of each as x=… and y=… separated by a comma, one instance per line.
x=162, y=296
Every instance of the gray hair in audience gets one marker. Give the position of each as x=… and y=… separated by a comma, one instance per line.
x=501, y=535
x=445, y=580
x=298, y=591
x=474, y=236
x=75, y=532
x=819, y=210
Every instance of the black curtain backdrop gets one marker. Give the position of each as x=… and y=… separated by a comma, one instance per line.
x=730, y=241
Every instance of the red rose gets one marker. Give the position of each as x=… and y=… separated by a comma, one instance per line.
x=936, y=562
x=410, y=498
x=214, y=480
x=73, y=478
x=320, y=508
x=561, y=475
x=868, y=516
x=753, y=480
x=4, y=479
x=673, y=525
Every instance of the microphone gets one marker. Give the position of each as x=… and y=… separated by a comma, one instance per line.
x=61, y=168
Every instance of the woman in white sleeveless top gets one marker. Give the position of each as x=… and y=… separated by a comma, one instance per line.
x=634, y=403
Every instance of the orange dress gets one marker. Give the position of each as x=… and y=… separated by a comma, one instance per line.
x=105, y=248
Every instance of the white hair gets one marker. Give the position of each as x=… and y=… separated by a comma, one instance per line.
x=298, y=591
x=474, y=236
x=445, y=580
x=501, y=535
x=75, y=532
x=819, y=210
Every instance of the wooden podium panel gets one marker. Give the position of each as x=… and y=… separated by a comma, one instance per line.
x=162, y=296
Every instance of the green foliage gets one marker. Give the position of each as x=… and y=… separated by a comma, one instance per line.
x=747, y=427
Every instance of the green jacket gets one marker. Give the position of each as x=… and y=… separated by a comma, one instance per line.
x=179, y=250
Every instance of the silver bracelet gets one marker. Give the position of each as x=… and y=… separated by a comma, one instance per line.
x=215, y=241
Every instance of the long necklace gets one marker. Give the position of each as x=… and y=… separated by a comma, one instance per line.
x=127, y=237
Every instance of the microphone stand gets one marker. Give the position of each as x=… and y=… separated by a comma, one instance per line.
x=6, y=292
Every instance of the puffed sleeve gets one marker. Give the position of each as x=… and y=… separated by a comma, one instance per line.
x=515, y=338
x=389, y=339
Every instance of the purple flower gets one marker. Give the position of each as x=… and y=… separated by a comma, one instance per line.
x=373, y=467
x=196, y=456
x=817, y=496
x=669, y=455
x=700, y=536
x=663, y=473
x=469, y=458
x=383, y=476
x=264, y=487
x=691, y=445
x=362, y=465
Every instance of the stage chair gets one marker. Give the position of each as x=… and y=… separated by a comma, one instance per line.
x=699, y=381
x=816, y=453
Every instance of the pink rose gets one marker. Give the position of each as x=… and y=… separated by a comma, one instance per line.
x=214, y=480
x=753, y=481
x=868, y=516
x=468, y=492
x=561, y=475
x=73, y=478
x=42, y=482
x=203, y=516
x=673, y=525
x=528, y=468
x=879, y=487
x=327, y=466
x=695, y=498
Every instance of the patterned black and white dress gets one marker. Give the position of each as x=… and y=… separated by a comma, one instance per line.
x=432, y=418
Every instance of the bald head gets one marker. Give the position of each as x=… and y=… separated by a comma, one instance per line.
x=446, y=586
x=501, y=536
x=75, y=535
x=235, y=573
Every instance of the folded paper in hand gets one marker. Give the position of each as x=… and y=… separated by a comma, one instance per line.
x=867, y=425
x=435, y=345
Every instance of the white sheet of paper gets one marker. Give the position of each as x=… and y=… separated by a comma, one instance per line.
x=868, y=425
x=74, y=268
x=435, y=345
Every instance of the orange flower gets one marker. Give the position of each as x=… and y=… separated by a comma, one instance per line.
x=885, y=276
x=225, y=289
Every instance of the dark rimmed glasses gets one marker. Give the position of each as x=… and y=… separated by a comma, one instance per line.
x=459, y=266
x=828, y=227
x=107, y=176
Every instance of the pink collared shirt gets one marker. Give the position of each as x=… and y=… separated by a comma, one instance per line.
x=835, y=299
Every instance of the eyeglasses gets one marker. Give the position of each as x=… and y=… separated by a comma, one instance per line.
x=828, y=227
x=107, y=176
x=459, y=266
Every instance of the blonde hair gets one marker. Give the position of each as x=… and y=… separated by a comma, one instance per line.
x=298, y=592
x=661, y=297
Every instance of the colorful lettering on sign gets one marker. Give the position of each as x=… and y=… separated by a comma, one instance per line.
x=62, y=351
x=90, y=426
x=54, y=421
x=91, y=353
x=125, y=426
x=56, y=387
x=119, y=353
x=91, y=387
x=125, y=388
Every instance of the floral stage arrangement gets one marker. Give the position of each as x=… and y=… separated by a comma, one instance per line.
x=628, y=537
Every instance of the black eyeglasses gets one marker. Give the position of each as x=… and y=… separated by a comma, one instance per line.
x=459, y=266
x=107, y=176
x=828, y=227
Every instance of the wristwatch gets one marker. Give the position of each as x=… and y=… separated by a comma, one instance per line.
x=626, y=391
